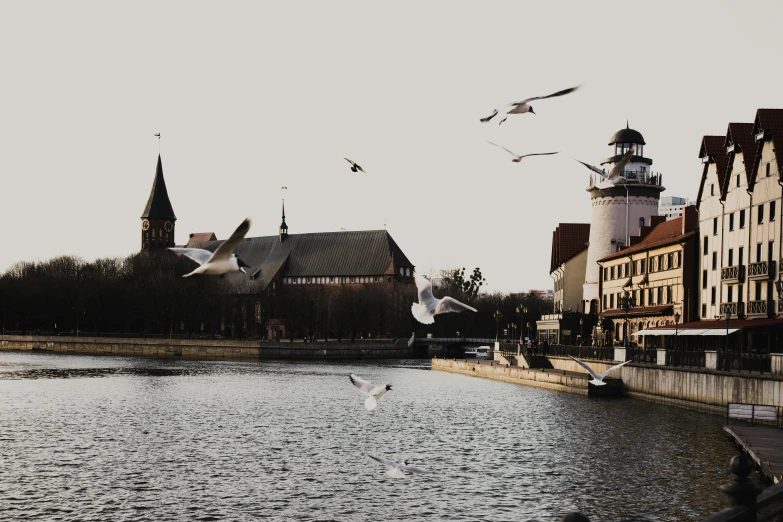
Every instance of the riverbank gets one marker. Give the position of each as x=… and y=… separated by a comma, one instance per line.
x=206, y=348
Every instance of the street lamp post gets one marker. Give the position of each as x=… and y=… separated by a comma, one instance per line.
x=521, y=310
x=497, y=315
x=581, y=323
x=627, y=303
x=676, y=331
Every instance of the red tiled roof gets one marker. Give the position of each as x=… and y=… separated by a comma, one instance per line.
x=663, y=234
x=568, y=240
x=741, y=134
x=770, y=121
x=202, y=237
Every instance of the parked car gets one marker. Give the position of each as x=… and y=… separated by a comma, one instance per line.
x=482, y=352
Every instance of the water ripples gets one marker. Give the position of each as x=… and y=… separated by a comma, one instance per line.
x=113, y=438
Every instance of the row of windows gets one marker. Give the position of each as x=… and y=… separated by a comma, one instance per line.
x=160, y=234
x=330, y=280
x=739, y=179
x=644, y=297
x=622, y=148
x=759, y=218
x=741, y=256
x=761, y=290
x=657, y=263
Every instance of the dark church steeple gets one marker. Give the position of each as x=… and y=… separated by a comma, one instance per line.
x=283, y=226
x=157, y=221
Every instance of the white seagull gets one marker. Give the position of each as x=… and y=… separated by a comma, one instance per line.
x=617, y=169
x=223, y=260
x=398, y=469
x=429, y=306
x=517, y=157
x=524, y=106
x=354, y=166
x=598, y=378
x=412, y=339
x=373, y=392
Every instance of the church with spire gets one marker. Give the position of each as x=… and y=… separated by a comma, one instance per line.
x=158, y=219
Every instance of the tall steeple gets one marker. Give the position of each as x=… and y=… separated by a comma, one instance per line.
x=283, y=226
x=157, y=221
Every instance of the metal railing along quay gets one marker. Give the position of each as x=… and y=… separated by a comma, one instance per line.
x=601, y=353
x=686, y=359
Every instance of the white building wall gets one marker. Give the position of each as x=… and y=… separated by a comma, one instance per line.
x=710, y=208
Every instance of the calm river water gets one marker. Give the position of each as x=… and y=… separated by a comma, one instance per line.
x=114, y=438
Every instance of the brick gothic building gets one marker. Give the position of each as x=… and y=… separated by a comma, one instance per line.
x=304, y=262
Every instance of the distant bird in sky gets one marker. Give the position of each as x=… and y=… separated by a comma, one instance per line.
x=398, y=469
x=373, y=392
x=428, y=306
x=283, y=188
x=524, y=106
x=354, y=166
x=517, y=157
x=223, y=260
x=598, y=378
x=412, y=340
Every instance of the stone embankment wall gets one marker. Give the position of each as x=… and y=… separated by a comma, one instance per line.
x=513, y=374
x=691, y=387
x=205, y=348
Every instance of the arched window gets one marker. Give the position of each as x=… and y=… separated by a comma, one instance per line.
x=641, y=222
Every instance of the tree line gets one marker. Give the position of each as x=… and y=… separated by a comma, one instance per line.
x=146, y=295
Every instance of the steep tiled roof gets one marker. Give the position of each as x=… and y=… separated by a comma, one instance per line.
x=158, y=205
x=568, y=240
x=663, y=234
x=201, y=237
x=741, y=134
x=713, y=146
x=769, y=121
x=363, y=253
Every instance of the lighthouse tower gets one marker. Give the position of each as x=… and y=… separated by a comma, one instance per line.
x=620, y=210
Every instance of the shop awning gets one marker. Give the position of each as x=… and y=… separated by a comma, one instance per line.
x=692, y=331
x=655, y=332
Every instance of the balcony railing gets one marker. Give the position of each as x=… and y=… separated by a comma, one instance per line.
x=757, y=308
x=736, y=309
x=732, y=274
x=761, y=270
x=633, y=177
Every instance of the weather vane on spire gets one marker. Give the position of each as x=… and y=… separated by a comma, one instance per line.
x=157, y=135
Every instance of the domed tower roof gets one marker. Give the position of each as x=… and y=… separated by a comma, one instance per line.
x=627, y=135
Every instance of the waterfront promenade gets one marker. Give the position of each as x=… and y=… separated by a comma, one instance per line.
x=208, y=348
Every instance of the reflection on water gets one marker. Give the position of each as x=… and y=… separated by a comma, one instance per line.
x=113, y=438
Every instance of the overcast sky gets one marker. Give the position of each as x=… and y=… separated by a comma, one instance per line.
x=252, y=96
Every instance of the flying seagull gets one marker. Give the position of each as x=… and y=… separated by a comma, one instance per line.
x=428, y=306
x=524, y=105
x=373, y=392
x=354, y=166
x=617, y=169
x=518, y=158
x=486, y=119
x=223, y=260
x=398, y=469
x=598, y=378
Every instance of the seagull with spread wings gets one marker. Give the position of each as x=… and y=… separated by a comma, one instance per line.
x=429, y=306
x=373, y=392
x=524, y=106
x=223, y=260
x=517, y=157
x=615, y=174
x=597, y=378
x=397, y=469
x=354, y=166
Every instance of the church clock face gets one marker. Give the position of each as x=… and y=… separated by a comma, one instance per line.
x=145, y=225
x=169, y=226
